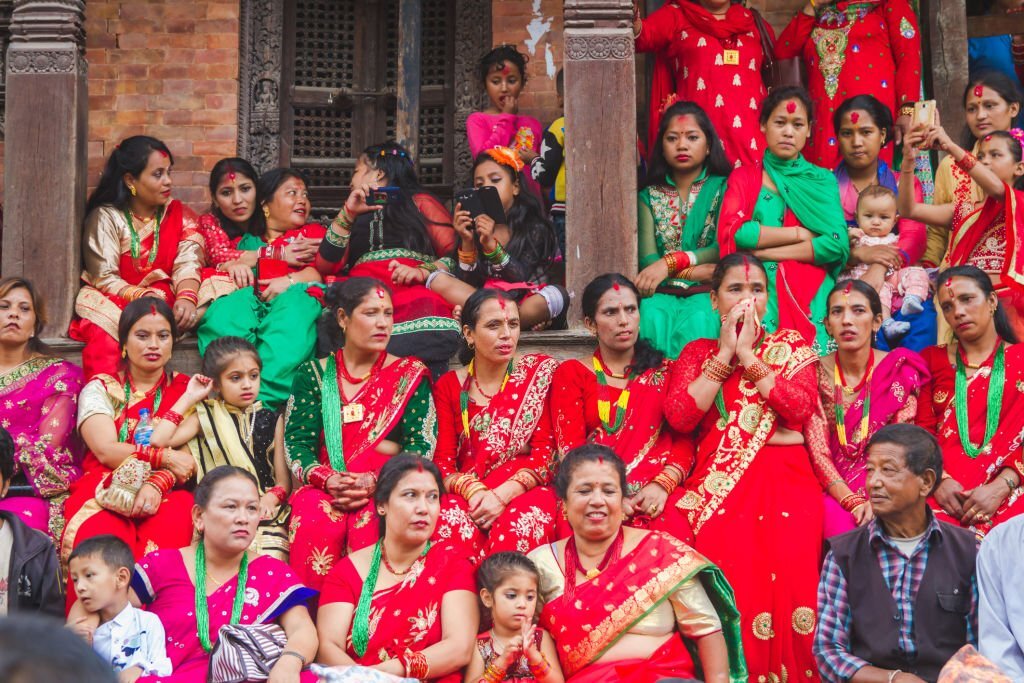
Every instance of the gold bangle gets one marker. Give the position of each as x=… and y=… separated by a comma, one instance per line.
x=670, y=261
x=757, y=371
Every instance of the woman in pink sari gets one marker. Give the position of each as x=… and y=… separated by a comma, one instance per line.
x=405, y=606
x=856, y=380
x=38, y=406
x=626, y=604
x=205, y=584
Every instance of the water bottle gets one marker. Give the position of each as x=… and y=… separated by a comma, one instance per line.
x=144, y=430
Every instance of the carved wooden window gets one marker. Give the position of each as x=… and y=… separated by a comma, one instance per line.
x=339, y=78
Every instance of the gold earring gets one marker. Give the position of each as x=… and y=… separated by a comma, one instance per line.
x=132, y=191
x=124, y=353
x=266, y=212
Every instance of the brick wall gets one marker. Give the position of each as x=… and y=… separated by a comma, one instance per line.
x=536, y=27
x=167, y=69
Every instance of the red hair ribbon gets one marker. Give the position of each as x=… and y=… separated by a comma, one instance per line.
x=506, y=156
x=791, y=106
x=979, y=90
x=854, y=117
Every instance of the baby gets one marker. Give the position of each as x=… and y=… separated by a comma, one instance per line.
x=130, y=640
x=876, y=218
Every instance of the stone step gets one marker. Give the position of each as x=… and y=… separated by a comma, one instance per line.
x=562, y=345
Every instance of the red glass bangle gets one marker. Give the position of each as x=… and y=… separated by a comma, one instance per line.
x=279, y=492
x=174, y=417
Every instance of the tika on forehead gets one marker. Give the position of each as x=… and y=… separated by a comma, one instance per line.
x=949, y=287
x=846, y=290
x=152, y=309
x=791, y=106
x=854, y=117
x=615, y=285
x=979, y=90
x=380, y=293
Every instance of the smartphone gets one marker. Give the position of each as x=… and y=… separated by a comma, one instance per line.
x=381, y=196
x=483, y=201
x=924, y=112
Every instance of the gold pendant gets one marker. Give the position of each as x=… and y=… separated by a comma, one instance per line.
x=352, y=412
x=593, y=574
x=731, y=57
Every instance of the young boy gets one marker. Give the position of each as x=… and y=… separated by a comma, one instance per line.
x=29, y=571
x=876, y=219
x=130, y=640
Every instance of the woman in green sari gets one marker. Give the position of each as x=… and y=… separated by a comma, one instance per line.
x=677, y=216
x=787, y=212
x=276, y=314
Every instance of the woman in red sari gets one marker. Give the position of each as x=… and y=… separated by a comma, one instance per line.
x=762, y=464
x=108, y=413
x=862, y=389
x=615, y=399
x=626, y=604
x=347, y=415
x=989, y=235
x=709, y=52
x=855, y=47
x=137, y=242
x=494, y=437
x=974, y=405
x=406, y=606
x=408, y=232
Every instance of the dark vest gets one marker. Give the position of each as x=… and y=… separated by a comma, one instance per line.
x=940, y=609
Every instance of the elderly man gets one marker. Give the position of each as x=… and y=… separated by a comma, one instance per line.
x=897, y=597
x=1001, y=614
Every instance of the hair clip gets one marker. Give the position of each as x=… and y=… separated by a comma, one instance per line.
x=1017, y=134
x=791, y=106
x=854, y=117
x=506, y=156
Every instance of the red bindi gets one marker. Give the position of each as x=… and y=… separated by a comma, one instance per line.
x=979, y=90
x=380, y=293
x=791, y=107
x=231, y=176
x=505, y=70
x=949, y=287
x=162, y=153
x=152, y=309
x=615, y=286
x=854, y=117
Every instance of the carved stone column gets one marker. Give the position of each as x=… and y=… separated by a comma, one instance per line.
x=45, y=151
x=600, y=138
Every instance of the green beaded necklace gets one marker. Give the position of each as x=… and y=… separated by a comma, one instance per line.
x=994, y=402
x=330, y=411
x=122, y=435
x=202, y=606
x=136, y=242
x=361, y=620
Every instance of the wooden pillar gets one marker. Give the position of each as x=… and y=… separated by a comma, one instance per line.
x=410, y=40
x=944, y=24
x=600, y=139
x=45, y=152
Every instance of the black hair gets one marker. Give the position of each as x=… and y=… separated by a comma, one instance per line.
x=7, y=464
x=343, y=296
x=560, y=82
x=780, y=95
x=734, y=260
x=222, y=350
x=879, y=113
x=114, y=552
x=205, y=488
x=921, y=450
x=498, y=57
x=716, y=162
x=498, y=567
x=875, y=191
x=533, y=239
x=1016, y=151
x=645, y=356
x=401, y=217
x=9, y=284
x=139, y=309
x=591, y=452
x=241, y=167
x=984, y=283
x=1002, y=84
x=131, y=157
x=394, y=470
x=269, y=183
x=35, y=648
x=862, y=288
x=471, y=315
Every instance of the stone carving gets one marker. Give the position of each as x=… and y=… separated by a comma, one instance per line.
x=42, y=61
x=49, y=21
x=259, y=95
x=471, y=43
x=598, y=46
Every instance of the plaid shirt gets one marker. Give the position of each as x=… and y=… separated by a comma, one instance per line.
x=903, y=577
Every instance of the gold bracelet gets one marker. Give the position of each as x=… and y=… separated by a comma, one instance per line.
x=757, y=371
x=670, y=261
